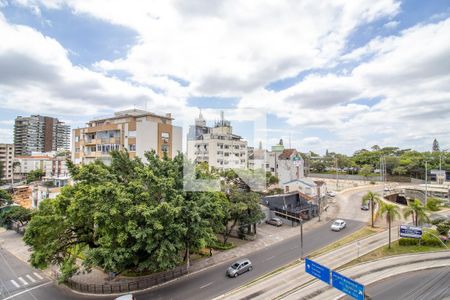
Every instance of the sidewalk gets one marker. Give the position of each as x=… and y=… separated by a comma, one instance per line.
x=295, y=276
x=374, y=271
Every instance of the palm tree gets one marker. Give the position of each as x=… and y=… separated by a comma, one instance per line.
x=417, y=210
x=372, y=198
x=391, y=212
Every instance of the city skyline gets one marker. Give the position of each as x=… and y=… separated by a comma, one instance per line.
x=342, y=78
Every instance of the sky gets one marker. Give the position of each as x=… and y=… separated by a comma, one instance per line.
x=337, y=75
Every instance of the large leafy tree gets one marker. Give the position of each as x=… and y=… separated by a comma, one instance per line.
x=14, y=214
x=130, y=215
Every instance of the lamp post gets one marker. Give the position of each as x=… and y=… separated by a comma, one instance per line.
x=301, y=237
x=426, y=182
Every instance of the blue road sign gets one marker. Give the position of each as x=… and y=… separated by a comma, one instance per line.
x=347, y=285
x=410, y=231
x=317, y=270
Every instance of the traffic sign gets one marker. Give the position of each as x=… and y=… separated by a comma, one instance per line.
x=317, y=270
x=410, y=231
x=347, y=285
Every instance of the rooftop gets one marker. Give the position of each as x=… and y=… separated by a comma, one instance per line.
x=131, y=113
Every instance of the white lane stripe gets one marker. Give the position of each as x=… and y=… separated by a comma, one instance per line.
x=208, y=284
x=27, y=290
x=23, y=281
x=15, y=283
x=31, y=278
x=272, y=257
x=38, y=276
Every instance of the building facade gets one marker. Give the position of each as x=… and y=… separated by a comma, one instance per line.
x=218, y=146
x=6, y=161
x=53, y=165
x=40, y=134
x=136, y=131
x=290, y=166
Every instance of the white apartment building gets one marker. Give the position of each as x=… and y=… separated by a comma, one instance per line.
x=6, y=161
x=134, y=130
x=54, y=166
x=218, y=145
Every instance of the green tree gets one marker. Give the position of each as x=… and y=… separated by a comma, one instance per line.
x=417, y=211
x=372, y=198
x=271, y=179
x=35, y=175
x=391, y=211
x=5, y=198
x=399, y=170
x=365, y=171
x=14, y=214
x=435, y=147
x=433, y=204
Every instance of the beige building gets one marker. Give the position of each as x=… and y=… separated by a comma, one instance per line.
x=137, y=131
x=218, y=146
x=6, y=161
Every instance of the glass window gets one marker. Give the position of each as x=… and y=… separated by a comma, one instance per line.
x=132, y=147
x=165, y=148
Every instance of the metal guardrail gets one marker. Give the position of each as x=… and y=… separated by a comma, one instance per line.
x=127, y=285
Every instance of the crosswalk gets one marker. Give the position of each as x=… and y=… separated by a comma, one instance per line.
x=26, y=280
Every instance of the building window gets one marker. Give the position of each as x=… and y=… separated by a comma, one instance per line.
x=165, y=148
x=165, y=136
x=132, y=147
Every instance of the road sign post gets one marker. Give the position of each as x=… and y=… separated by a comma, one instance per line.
x=317, y=270
x=347, y=285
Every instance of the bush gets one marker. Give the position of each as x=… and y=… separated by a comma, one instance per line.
x=438, y=220
x=429, y=240
x=433, y=204
x=372, y=182
x=222, y=246
x=443, y=228
x=408, y=242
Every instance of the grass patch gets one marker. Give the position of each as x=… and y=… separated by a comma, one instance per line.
x=396, y=249
x=362, y=233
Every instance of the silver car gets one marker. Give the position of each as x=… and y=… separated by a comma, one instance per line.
x=338, y=225
x=239, y=267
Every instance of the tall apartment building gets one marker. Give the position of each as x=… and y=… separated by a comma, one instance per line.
x=135, y=130
x=218, y=145
x=6, y=161
x=40, y=134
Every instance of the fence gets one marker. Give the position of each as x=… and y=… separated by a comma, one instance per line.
x=359, y=177
x=128, y=285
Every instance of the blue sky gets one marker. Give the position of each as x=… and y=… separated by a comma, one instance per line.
x=336, y=77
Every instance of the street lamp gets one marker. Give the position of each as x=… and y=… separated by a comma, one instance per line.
x=301, y=237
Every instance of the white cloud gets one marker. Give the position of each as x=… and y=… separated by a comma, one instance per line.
x=391, y=24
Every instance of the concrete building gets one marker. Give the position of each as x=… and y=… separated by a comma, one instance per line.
x=257, y=158
x=137, y=131
x=6, y=161
x=272, y=158
x=218, y=145
x=290, y=166
x=53, y=165
x=40, y=134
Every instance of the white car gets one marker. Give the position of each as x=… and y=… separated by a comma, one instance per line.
x=338, y=225
x=331, y=194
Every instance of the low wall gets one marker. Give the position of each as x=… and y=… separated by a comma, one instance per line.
x=124, y=285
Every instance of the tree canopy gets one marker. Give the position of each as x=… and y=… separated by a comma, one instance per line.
x=132, y=215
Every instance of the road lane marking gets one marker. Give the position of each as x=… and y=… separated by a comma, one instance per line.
x=15, y=283
x=31, y=278
x=23, y=281
x=38, y=276
x=27, y=290
x=208, y=284
x=272, y=257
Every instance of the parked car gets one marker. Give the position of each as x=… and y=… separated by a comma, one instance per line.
x=275, y=222
x=239, y=267
x=331, y=194
x=338, y=225
x=365, y=206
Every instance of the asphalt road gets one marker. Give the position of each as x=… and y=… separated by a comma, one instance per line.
x=19, y=281
x=208, y=283
x=432, y=284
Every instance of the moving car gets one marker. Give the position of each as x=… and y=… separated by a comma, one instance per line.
x=239, y=267
x=126, y=297
x=365, y=206
x=275, y=222
x=331, y=194
x=338, y=225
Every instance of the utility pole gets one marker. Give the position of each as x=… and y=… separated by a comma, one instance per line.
x=426, y=182
x=301, y=237
x=337, y=174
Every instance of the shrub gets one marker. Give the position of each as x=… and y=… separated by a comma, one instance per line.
x=443, y=228
x=408, y=242
x=430, y=240
x=221, y=246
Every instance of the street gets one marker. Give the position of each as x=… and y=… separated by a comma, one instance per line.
x=426, y=284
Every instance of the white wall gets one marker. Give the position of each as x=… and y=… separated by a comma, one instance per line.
x=146, y=136
x=177, y=140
